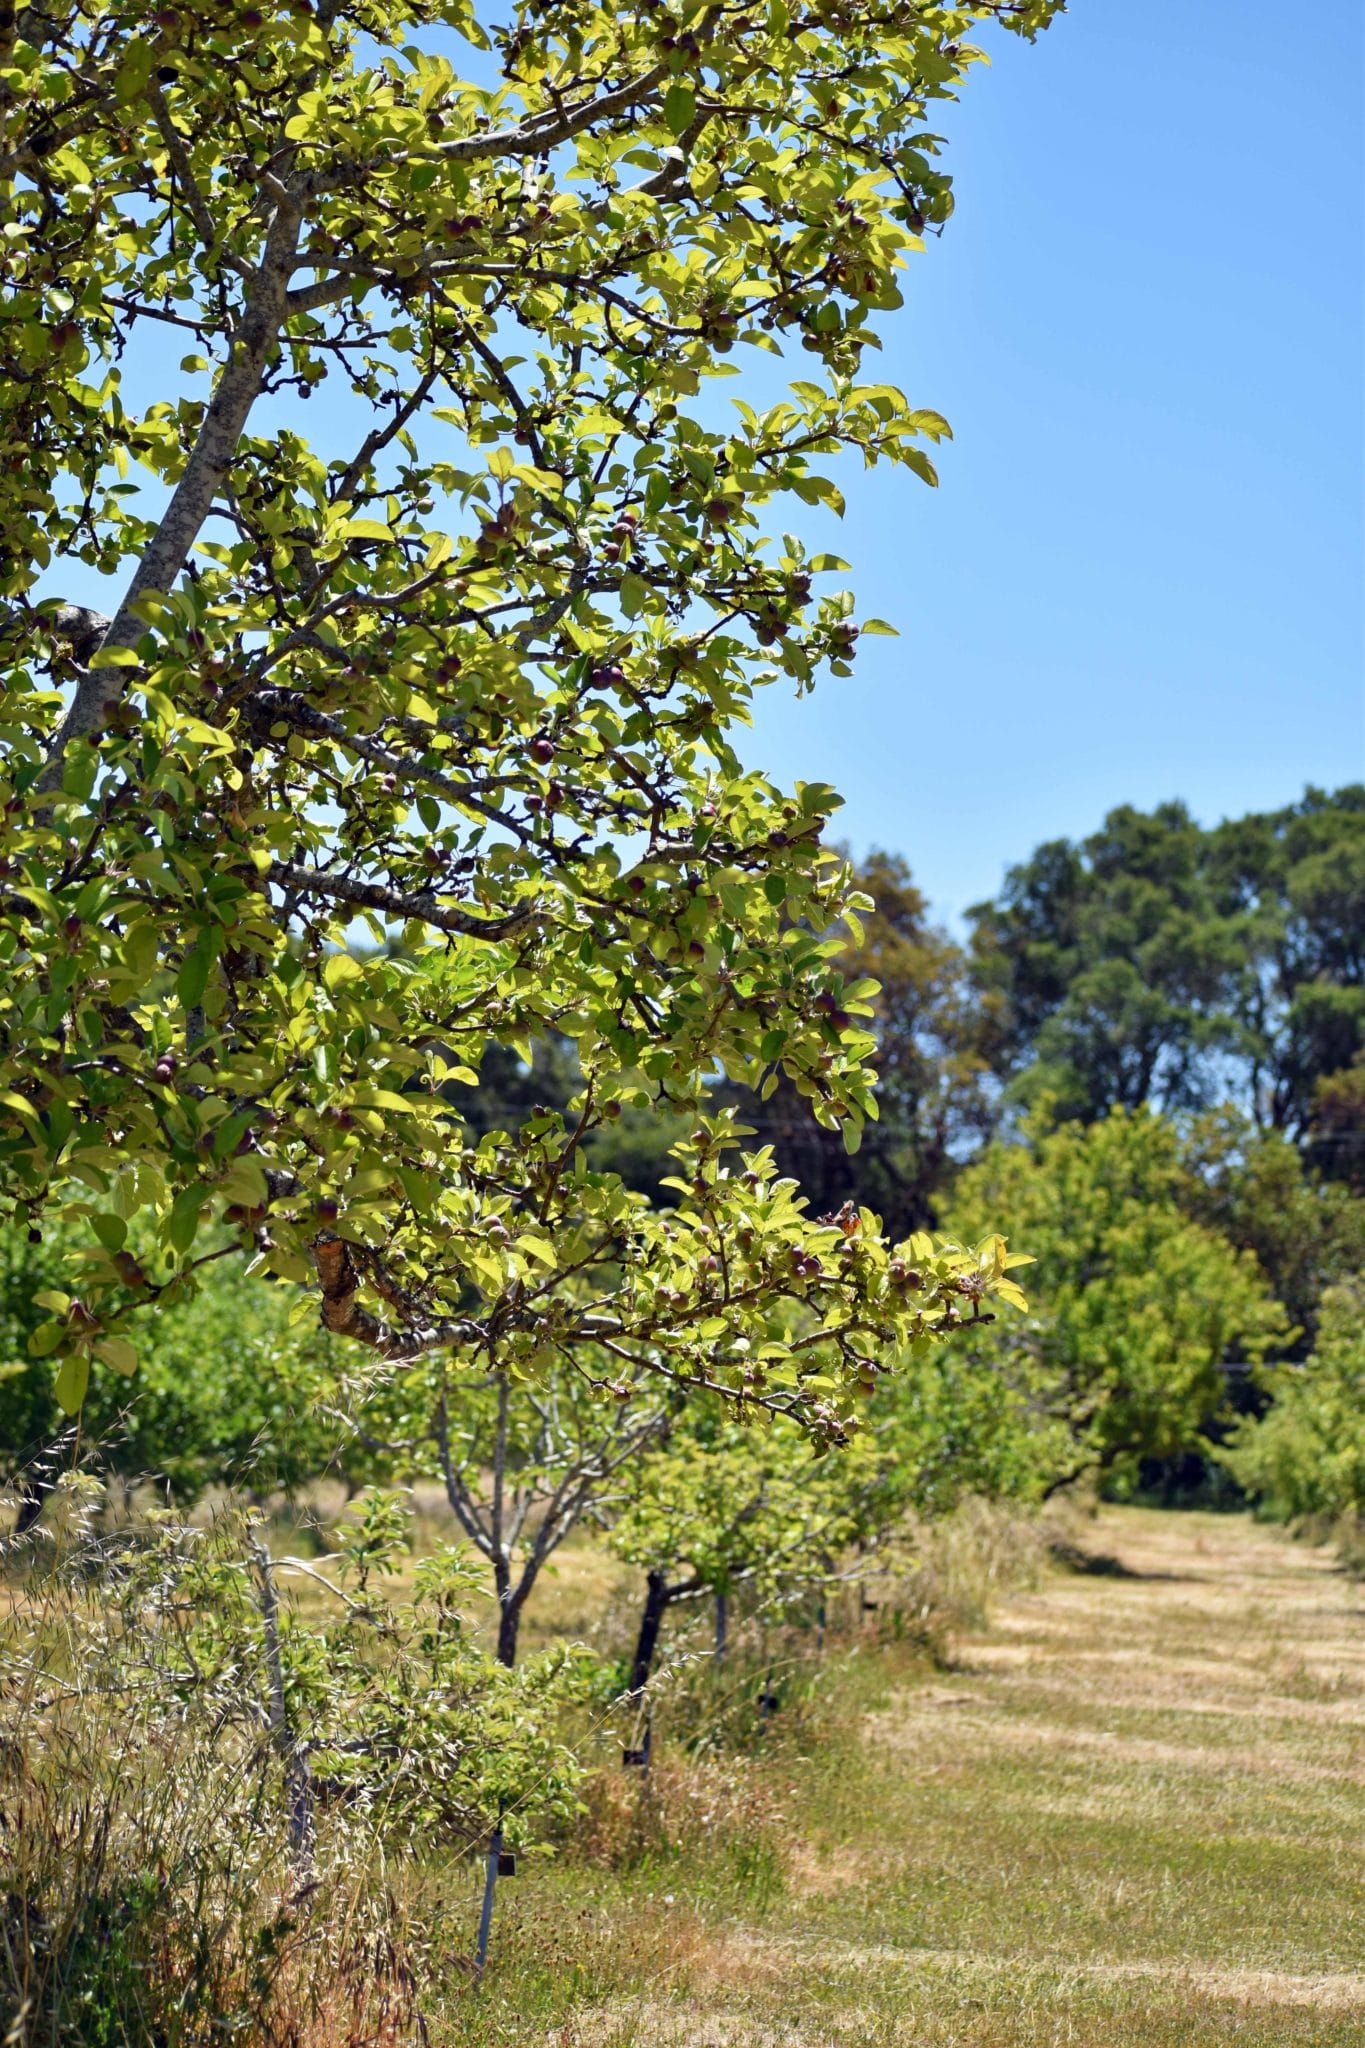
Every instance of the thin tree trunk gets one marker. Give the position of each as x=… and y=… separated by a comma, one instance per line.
x=657, y=1596
x=509, y=1623
x=722, y=1626
x=508, y=1607
x=298, y=1779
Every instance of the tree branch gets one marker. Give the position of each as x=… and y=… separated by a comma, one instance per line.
x=344, y=1315
x=101, y=687
x=195, y=202
x=394, y=902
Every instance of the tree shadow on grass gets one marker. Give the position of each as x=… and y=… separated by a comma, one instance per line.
x=1101, y=1564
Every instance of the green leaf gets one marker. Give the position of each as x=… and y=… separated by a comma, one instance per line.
x=118, y=1354
x=680, y=106
x=245, y=1183
x=111, y=1231
x=193, y=977
x=183, y=1223
x=73, y=1377
x=338, y=968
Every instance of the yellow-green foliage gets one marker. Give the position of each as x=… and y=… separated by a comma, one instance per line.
x=1306, y=1455
x=1134, y=1305
x=417, y=737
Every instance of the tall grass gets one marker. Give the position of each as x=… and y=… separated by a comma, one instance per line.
x=151, y=1892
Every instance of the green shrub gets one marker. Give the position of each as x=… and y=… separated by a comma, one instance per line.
x=1306, y=1455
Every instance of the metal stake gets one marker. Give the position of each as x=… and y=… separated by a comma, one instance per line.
x=490, y=1885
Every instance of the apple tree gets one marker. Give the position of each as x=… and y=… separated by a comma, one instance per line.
x=413, y=732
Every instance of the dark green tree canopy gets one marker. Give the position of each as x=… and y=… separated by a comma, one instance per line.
x=936, y=1095
x=1159, y=961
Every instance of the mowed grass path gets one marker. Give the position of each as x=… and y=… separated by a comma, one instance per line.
x=1132, y=1813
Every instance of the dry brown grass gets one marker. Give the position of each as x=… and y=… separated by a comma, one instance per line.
x=1128, y=1817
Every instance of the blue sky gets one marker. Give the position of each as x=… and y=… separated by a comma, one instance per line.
x=1141, y=576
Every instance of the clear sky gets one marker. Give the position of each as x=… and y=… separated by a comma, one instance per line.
x=1141, y=576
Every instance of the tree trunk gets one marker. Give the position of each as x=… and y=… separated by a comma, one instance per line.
x=722, y=1626
x=657, y=1596
x=298, y=1779
x=509, y=1622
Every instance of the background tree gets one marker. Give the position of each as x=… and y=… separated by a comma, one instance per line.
x=230, y=1391
x=1336, y=1136
x=523, y=1462
x=1256, y=1190
x=1136, y=1306
x=462, y=673
x=717, y=1508
x=935, y=1094
x=1306, y=1454
x=1160, y=962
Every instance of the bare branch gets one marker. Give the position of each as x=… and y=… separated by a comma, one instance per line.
x=196, y=204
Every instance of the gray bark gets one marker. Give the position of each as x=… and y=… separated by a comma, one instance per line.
x=298, y=1779
x=101, y=688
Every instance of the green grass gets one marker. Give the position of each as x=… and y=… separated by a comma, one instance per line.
x=1130, y=1813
